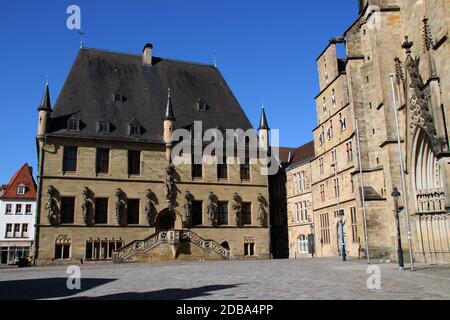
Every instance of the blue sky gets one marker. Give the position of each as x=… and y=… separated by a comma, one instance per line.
x=265, y=50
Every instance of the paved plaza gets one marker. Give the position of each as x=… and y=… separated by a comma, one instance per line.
x=241, y=280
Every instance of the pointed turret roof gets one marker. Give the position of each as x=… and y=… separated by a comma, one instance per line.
x=169, y=109
x=263, y=123
x=46, y=104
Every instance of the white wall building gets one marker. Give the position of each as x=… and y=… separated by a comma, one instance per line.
x=17, y=216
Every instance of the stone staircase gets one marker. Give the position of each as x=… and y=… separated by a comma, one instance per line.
x=175, y=239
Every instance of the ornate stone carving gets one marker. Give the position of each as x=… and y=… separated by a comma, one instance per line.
x=212, y=209
x=237, y=209
x=429, y=201
x=54, y=218
x=87, y=207
x=170, y=187
x=120, y=206
x=63, y=239
x=188, y=197
x=399, y=71
x=419, y=109
x=262, y=214
x=150, y=207
x=428, y=42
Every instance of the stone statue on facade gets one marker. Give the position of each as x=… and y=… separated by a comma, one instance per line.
x=261, y=210
x=237, y=208
x=212, y=208
x=87, y=206
x=120, y=205
x=188, y=197
x=52, y=207
x=419, y=202
x=442, y=200
x=170, y=186
x=150, y=207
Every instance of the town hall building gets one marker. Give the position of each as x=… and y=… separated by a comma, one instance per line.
x=109, y=188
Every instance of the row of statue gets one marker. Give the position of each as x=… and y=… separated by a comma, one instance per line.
x=88, y=207
x=432, y=201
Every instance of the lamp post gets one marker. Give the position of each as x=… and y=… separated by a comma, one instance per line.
x=396, y=194
x=311, y=241
x=341, y=220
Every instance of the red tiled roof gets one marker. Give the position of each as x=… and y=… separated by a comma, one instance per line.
x=23, y=176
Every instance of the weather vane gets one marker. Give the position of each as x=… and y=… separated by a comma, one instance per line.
x=81, y=33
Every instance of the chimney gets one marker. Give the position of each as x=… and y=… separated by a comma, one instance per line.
x=147, y=54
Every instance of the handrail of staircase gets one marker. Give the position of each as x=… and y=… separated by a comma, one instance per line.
x=143, y=245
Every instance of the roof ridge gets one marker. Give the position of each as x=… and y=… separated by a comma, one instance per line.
x=139, y=55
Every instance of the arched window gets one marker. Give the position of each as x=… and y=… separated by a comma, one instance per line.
x=134, y=128
x=302, y=244
x=201, y=105
x=427, y=178
x=225, y=245
x=103, y=126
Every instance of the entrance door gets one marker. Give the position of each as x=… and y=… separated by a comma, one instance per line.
x=4, y=257
x=165, y=221
x=341, y=237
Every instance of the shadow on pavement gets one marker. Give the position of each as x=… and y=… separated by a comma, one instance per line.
x=166, y=294
x=33, y=289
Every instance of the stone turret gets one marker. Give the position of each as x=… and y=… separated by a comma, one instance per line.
x=169, y=121
x=263, y=131
x=45, y=109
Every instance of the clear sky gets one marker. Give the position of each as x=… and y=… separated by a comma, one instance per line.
x=265, y=50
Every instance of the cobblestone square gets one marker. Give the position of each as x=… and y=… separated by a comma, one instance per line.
x=228, y=280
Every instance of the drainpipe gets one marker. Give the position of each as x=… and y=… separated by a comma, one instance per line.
x=38, y=201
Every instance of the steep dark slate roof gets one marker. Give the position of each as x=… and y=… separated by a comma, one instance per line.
x=169, y=109
x=263, y=122
x=45, y=104
x=97, y=76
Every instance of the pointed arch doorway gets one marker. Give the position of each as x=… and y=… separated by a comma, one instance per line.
x=165, y=221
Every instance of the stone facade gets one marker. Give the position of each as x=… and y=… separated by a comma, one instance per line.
x=157, y=194
x=300, y=210
x=357, y=89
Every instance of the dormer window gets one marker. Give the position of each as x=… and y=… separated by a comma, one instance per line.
x=103, y=126
x=134, y=128
x=73, y=125
x=201, y=105
x=21, y=189
x=119, y=97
